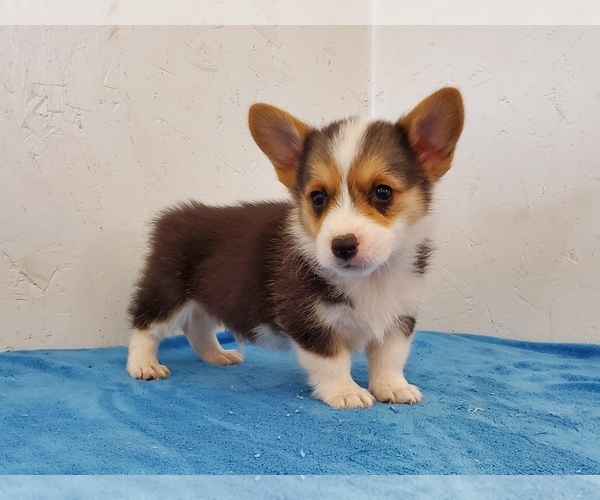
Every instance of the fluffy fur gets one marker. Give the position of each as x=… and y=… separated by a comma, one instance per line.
x=337, y=269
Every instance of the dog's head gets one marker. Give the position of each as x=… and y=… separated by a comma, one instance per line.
x=360, y=185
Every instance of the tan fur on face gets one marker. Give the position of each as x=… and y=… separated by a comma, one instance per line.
x=324, y=177
x=413, y=205
x=372, y=171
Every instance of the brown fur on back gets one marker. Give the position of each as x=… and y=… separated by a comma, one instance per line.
x=196, y=249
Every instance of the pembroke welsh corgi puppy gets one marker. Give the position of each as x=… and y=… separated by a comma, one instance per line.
x=336, y=269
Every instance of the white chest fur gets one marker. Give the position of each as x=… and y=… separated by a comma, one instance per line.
x=378, y=300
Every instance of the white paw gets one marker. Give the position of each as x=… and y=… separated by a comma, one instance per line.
x=351, y=396
x=148, y=371
x=223, y=357
x=401, y=393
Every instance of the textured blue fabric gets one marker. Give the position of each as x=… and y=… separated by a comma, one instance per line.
x=490, y=406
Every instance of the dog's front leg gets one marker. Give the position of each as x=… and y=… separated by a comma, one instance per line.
x=386, y=366
x=331, y=380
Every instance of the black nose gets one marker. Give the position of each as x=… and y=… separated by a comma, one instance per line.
x=345, y=247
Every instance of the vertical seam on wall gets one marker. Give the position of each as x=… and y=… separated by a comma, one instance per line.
x=372, y=88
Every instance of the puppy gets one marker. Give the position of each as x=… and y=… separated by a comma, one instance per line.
x=337, y=269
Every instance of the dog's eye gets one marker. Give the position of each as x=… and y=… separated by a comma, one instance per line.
x=319, y=198
x=383, y=193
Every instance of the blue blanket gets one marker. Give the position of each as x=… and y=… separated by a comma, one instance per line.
x=490, y=406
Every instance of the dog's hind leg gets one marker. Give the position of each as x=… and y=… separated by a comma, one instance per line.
x=201, y=331
x=142, y=360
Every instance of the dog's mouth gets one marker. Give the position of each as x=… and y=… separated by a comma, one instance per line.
x=354, y=268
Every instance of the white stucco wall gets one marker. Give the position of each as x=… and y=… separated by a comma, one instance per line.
x=518, y=216
x=103, y=126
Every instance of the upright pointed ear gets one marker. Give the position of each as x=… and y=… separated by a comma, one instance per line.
x=433, y=128
x=281, y=137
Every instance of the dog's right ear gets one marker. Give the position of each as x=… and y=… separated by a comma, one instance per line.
x=281, y=137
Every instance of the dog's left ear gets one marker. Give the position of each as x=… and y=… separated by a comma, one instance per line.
x=433, y=129
x=281, y=137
